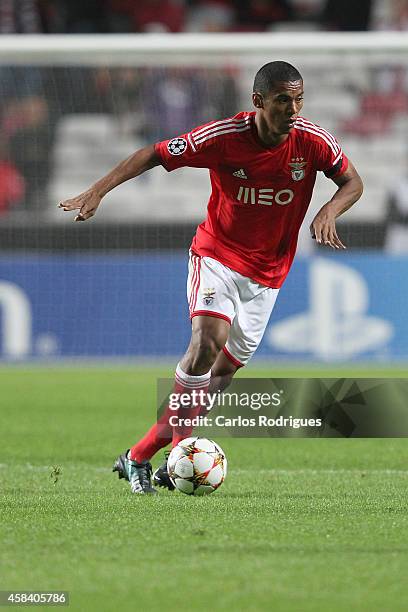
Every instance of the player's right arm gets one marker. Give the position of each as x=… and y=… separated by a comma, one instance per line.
x=88, y=201
x=200, y=148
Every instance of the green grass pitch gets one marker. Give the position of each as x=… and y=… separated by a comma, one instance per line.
x=299, y=525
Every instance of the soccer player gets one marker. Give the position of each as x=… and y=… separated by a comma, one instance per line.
x=263, y=167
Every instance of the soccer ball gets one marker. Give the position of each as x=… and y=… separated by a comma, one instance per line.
x=197, y=466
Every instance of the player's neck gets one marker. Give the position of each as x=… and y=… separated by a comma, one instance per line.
x=268, y=138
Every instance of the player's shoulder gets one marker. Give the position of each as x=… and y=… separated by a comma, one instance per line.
x=222, y=129
x=312, y=132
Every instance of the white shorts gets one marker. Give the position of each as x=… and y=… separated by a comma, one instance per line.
x=217, y=291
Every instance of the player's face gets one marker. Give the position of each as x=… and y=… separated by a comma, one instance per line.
x=281, y=107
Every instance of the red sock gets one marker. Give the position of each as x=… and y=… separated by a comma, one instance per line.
x=162, y=433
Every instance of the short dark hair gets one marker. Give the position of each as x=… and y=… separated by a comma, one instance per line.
x=272, y=73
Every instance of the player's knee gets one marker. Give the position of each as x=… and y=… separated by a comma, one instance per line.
x=203, y=353
x=206, y=351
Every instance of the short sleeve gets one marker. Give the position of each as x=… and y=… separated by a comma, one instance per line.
x=193, y=149
x=329, y=156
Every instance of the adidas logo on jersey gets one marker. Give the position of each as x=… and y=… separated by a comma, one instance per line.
x=240, y=173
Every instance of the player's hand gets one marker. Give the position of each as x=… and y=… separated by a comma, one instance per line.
x=323, y=228
x=87, y=204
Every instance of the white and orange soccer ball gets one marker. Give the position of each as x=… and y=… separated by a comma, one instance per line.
x=197, y=466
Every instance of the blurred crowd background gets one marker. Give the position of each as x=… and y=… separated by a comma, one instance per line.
x=116, y=16
x=61, y=127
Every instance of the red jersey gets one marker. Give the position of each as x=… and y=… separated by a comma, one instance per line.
x=260, y=194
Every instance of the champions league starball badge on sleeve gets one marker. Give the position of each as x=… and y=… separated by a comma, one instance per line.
x=177, y=146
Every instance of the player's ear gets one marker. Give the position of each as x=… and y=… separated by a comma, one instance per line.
x=257, y=100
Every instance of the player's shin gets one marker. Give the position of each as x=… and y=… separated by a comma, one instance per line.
x=186, y=402
x=158, y=436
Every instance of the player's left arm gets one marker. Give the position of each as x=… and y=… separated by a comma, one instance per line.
x=323, y=226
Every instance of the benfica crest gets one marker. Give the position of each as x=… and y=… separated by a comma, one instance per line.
x=298, y=168
x=208, y=296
